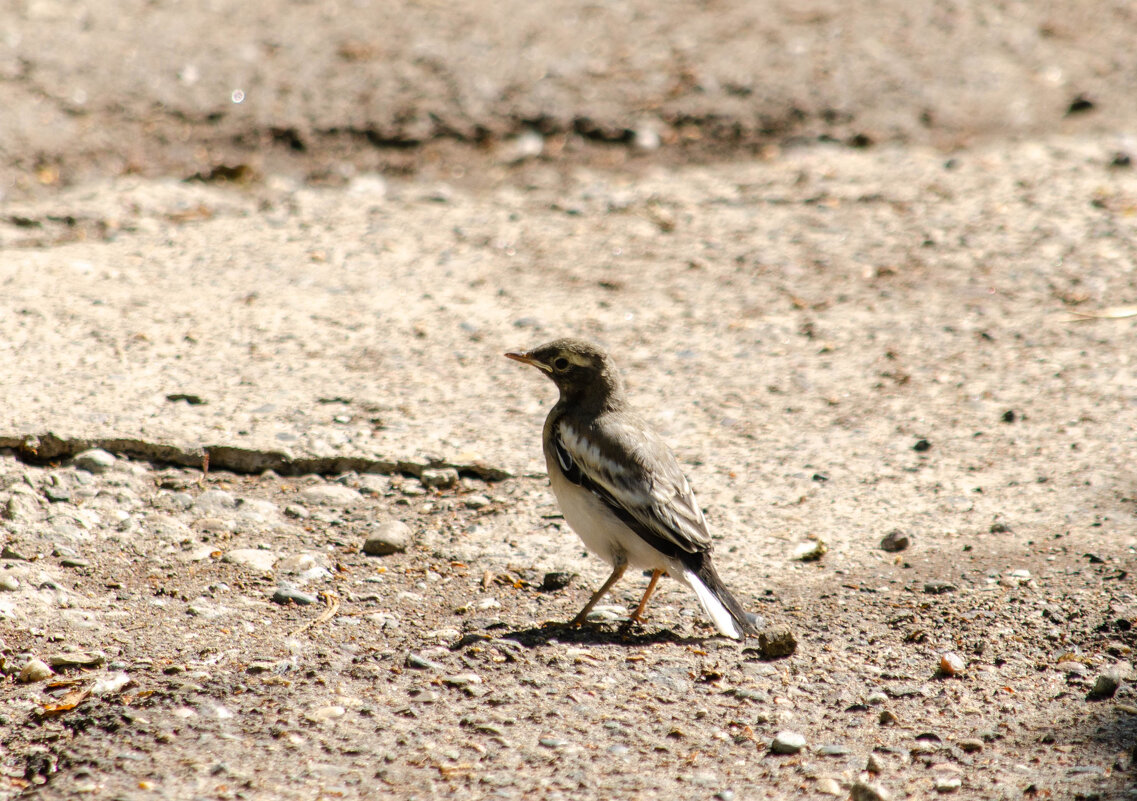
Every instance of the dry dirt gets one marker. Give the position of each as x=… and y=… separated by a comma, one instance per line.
x=840, y=343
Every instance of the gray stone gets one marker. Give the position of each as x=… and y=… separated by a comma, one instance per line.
x=864, y=791
x=95, y=460
x=1106, y=685
x=439, y=478
x=419, y=662
x=476, y=501
x=938, y=587
x=297, y=511
x=947, y=784
x=286, y=594
x=70, y=659
x=252, y=558
x=388, y=537
x=214, y=503
x=787, y=742
x=34, y=670
x=9, y=583
x=894, y=541
x=335, y=495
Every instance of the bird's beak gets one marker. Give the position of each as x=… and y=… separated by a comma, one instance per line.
x=525, y=358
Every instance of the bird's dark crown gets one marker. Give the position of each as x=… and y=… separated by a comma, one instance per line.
x=583, y=372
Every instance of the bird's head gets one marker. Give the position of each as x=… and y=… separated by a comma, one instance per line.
x=583, y=372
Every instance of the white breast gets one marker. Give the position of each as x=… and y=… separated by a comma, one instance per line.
x=601, y=531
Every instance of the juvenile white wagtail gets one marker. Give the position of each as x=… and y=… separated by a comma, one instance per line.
x=621, y=488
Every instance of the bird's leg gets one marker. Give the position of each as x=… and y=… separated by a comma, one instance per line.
x=655, y=574
x=617, y=571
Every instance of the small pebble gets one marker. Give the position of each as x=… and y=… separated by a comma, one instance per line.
x=887, y=717
x=9, y=583
x=418, y=662
x=95, y=460
x=829, y=786
x=832, y=750
x=893, y=541
x=387, y=537
x=252, y=558
x=286, y=594
x=476, y=501
x=972, y=745
x=951, y=664
x=863, y=791
x=877, y=697
x=787, y=742
x=810, y=550
x=34, y=670
x=875, y=764
x=553, y=742
x=463, y=680
x=776, y=641
x=439, y=478
x=938, y=587
x=296, y=511
x=71, y=659
x=556, y=580
x=947, y=784
x=330, y=495
x=1106, y=685
x=325, y=713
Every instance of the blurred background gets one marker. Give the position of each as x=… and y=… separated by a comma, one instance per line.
x=320, y=89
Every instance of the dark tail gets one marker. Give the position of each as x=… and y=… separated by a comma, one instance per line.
x=723, y=608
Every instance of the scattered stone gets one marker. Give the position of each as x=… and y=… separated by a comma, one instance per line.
x=74, y=561
x=252, y=558
x=463, y=680
x=476, y=501
x=938, y=587
x=439, y=478
x=556, y=580
x=810, y=550
x=331, y=495
x=877, y=697
x=9, y=583
x=70, y=659
x=324, y=714
x=552, y=742
x=827, y=785
x=887, y=717
x=1020, y=576
x=972, y=745
x=111, y=684
x=95, y=460
x=894, y=541
x=419, y=662
x=863, y=791
x=35, y=670
x=1106, y=685
x=787, y=742
x=951, y=664
x=57, y=494
x=775, y=642
x=832, y=750
x=287, y=594
x=256, y=668
x=922, y=446
x=875, y=764
x=296, y=511
x=388, y=537
x=947, y=784
x=9, y=552
x=214, y=503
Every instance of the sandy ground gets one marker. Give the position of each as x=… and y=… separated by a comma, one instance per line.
x=839, y=342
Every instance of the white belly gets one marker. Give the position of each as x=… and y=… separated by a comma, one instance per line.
x=600, y=530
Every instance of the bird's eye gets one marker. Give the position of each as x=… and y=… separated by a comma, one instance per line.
x=560, y=363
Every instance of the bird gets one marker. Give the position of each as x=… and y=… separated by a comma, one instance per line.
x=621, y=488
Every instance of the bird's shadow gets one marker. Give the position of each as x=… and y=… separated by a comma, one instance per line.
x=593, y=634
